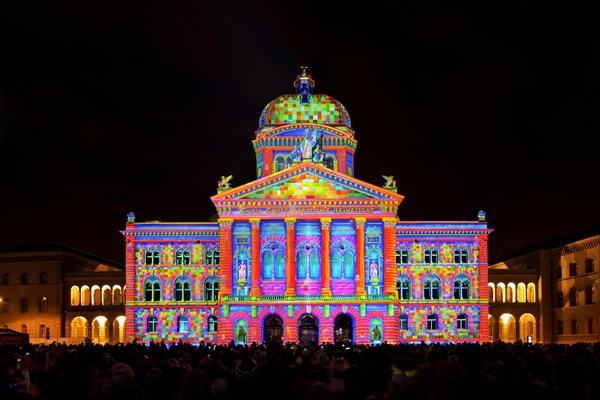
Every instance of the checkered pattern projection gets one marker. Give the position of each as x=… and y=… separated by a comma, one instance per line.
x=321, y=109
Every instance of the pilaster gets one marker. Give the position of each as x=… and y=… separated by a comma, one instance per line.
x=255, y=290
x=290, y=267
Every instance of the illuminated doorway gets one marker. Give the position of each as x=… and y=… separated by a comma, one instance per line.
x=308, y=329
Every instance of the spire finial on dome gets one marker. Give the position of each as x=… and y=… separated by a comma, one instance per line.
x=304, y=85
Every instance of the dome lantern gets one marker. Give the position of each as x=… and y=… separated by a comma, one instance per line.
x=304, y=85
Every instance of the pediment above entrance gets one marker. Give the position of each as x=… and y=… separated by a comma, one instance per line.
x=306, y=189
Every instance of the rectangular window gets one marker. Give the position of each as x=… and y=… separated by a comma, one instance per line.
x=573, y=269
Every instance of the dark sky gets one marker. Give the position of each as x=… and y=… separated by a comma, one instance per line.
x=142, y=106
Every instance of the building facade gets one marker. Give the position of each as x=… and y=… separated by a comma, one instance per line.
x=306, y=252
x=549, y=294
x=55, y=293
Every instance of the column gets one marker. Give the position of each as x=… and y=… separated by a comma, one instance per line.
x=255, y=290
x=389, y=255
x=290, y=267
x=326, y=264
x=360, y=256
x=226, y=262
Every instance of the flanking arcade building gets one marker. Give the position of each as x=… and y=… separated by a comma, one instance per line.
x=306, y=253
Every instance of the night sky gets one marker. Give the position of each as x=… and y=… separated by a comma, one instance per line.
x=142, y=106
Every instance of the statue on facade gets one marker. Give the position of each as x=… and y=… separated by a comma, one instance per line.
x=241, y=336
x=242, y=270
x=224, y=183
x=390, y=182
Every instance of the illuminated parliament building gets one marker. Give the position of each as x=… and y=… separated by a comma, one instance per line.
x=306, y=252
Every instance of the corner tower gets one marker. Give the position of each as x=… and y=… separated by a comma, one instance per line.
x=303, y=126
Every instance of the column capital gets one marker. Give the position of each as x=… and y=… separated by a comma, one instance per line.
x=325, y=223
x=255, y=222
x=360, y=222
x=225, y=223
x=290, y=221
x=390, y=222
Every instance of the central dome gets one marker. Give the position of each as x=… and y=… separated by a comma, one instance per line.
x=304, y=107
x=301, y=127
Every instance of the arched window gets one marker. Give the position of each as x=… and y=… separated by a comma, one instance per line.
x=212, y=323
x=591, y=325
x=336, y=265
x=432, y=322
x=279, y=163
x=24, y=278
x=86, y=296
x=241, y=331
x=44, y=304
x=211, y=289
x=23, y=328
x=491, y=292
x=349, y=270
x=560, y=329
x=4, y=307
x=268, y=264
x=560, y=299
x=182, y=257
x=521, y=293
x=44, y=332
x=280, y=265
x=574, y=327
x=589, y=266
x=500, y=295
x=152, y=289
x=152, y=324
x=75, y=296
x=5, y=278
x=573, y=297
x=183, y=324
x=588, y=294
x=431, y=287
x=376, y=330
x=24, y=305
x=462, y=287
x=343, y=260
x=152, y=257
x=216, y=257
x=573, y=269
x=403, y=287
x=308, y=261
x=273, y=260
x=117, y=296
x=183, y=289
x=208, y=258
x=531, y=292
x=403, y=322
x=43, y=278
x=106, y=296
x=510, y=293
x=462, y=321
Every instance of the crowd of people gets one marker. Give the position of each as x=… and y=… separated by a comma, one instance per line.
x=431, y=371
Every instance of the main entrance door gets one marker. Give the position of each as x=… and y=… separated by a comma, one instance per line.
x=273, y=329
x=342, y=328
x=308, y=329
